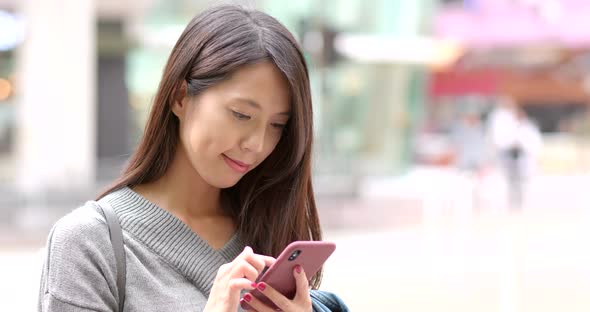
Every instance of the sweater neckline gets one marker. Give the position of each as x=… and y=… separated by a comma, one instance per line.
x=170, y=238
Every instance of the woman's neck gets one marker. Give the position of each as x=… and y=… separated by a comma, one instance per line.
x=183, y=192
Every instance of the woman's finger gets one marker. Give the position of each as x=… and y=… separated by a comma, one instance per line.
x=268, y=260
x=258, y=261
x=244, y=269
x=302, y=294
x=257, y=305
x=240, y=283
x=245, y=253
x=279, y=299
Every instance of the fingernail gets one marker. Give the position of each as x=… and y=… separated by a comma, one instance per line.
x=298, y=268
x=261, y=286
x=248, y=297
x=253, y=285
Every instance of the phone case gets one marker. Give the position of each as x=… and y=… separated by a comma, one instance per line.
x=311, y=256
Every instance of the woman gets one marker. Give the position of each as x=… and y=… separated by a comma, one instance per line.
x=220, y=179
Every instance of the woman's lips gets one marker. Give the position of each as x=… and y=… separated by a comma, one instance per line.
x=236, y=164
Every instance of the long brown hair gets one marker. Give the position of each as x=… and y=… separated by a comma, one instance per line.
x=273, y=204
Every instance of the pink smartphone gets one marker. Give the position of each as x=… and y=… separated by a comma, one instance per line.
x=310, y=255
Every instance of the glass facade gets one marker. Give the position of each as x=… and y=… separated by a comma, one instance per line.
x=365, y=110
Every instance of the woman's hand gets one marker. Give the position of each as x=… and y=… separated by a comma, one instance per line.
x=233, y=277
x=300, y=303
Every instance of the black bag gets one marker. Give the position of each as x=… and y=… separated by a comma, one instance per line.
x=515, y=152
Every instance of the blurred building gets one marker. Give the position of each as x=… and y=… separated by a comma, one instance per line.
x=369, y=63
x=82, y=76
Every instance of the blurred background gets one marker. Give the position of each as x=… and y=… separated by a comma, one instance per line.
x=452, y=152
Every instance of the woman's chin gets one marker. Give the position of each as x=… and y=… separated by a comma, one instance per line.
x=225, y=183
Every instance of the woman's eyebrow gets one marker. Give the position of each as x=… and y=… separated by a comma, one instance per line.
x=255, y=105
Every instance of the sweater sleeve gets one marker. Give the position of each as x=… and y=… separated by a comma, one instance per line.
x=79, y=272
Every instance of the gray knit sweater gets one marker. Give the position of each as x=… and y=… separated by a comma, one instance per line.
x=169, y=267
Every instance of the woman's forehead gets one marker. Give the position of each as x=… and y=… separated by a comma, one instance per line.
x=261, y=84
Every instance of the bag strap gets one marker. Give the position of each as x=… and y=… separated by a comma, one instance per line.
x=116, y=234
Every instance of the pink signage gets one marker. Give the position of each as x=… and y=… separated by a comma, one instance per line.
x=495, y=23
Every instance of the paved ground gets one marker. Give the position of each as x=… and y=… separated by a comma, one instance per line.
x=510, y=263
x=491, y=260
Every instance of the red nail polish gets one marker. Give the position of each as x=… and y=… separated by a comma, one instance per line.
x=248, y=297
x=261, y=287
x=253, y=284
x=298, y=269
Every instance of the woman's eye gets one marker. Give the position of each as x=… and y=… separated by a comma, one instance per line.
x=279, y=126
x=240, y=116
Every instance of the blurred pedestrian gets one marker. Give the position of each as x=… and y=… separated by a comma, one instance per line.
x=219, y=184
x=580, y=128
x=471, y=150
x=517, y=141
x=470, y=144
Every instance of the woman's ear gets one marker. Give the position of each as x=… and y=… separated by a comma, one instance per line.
x=180, y=100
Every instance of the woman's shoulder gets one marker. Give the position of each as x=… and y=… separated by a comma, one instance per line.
x=79, y=256
x=83, y=223
x=78, y=240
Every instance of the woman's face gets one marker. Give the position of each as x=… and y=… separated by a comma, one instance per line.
x=230, y=128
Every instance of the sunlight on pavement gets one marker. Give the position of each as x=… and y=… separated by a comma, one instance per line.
x=504, y=264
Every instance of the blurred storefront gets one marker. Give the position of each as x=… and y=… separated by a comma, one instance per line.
x=526, y=51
